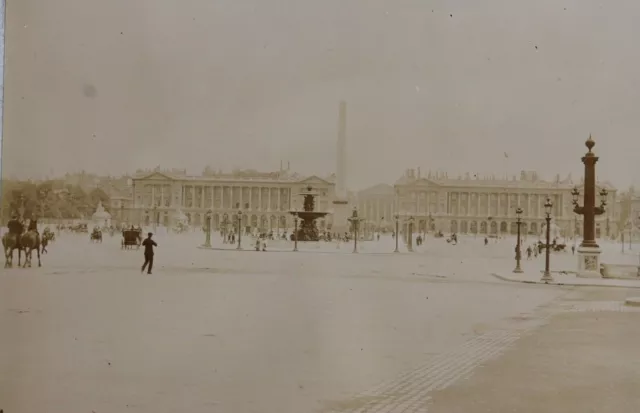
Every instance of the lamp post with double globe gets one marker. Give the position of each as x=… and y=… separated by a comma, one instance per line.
x=546, y=277
x=239, y=218
x=518, y=269
x=295, y=231
x=397, y=218
x=207, y=240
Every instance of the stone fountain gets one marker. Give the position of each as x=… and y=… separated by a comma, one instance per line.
x=307, y=231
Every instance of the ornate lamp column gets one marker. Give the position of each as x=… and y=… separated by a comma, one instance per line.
x=548, y=205
x=239, y=217
x=207, y=241
x=589, y=251
x=518, y=244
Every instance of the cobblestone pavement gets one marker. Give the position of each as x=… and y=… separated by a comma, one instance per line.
x=581, y=361
x=215, y=331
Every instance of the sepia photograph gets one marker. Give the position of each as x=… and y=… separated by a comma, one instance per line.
x=337, y=206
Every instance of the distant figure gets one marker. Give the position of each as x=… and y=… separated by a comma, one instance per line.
x=573, y=249
x=486, y=241
x=529, y=252
x=148, y=245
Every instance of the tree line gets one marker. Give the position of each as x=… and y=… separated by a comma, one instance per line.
x=50, y=199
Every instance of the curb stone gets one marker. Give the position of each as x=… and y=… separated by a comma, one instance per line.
x=561, y=284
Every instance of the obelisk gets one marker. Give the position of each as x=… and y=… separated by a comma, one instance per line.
x=341, y=210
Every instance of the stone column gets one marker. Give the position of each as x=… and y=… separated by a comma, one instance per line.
x=279, y=204
x=269, y=204
x=193, y=196
x=458, y=195
x=153, y=195
x=260, y=198
x=468, y=203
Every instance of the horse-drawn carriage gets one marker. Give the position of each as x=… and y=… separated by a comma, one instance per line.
x=79, y=228
x=96, y=235
x=131, y=238
x=555, y=247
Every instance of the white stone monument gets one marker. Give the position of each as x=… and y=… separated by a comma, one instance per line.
x=341, y=210
x=101, y=218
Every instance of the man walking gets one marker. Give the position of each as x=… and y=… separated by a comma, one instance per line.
x=148, y=245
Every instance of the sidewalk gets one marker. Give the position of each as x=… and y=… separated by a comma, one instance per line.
x=364, y=247
x=566, y=279
x=579, y=362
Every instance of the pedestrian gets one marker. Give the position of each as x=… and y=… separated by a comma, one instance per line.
x=148, y=245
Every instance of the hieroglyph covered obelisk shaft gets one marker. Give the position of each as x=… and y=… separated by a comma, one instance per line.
x=341, y=210
x=341, y=167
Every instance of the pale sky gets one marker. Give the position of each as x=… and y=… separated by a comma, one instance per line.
x=111, y=86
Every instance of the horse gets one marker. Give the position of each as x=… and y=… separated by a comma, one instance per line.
x=29, y=241
x=10, y=243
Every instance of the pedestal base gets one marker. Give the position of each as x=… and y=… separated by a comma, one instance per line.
x=341, y=213
x=589, y=262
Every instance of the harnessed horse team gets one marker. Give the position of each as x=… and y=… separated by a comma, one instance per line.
x=19, y=239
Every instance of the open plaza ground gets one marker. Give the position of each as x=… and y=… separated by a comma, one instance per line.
x=318, y=330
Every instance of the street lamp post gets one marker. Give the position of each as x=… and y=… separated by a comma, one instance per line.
x=155, y=209
x=207, y=241
x=547, y=273
x=410, y=234
x=355, y=221
x=225, y=228
x=589, y=251
x=21, y=207
x=397, y=218
x=295, y=232
x=518, y=244
x=239, y=215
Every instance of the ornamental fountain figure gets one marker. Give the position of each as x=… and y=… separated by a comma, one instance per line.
x=308, y=230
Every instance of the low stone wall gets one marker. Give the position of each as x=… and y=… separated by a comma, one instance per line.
x=619, y=271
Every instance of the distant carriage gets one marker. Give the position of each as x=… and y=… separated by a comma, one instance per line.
x=79, y=228
x=131, y=238
x=96, y=235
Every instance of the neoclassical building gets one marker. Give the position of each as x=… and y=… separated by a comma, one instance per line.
x=475, y=205
x=264, y=199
